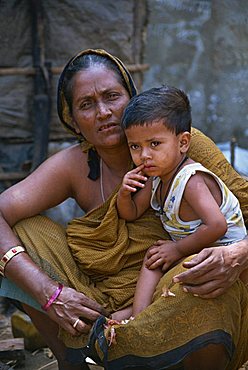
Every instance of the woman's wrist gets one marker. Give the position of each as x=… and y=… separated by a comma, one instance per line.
x=239, y=254
x=52, y=298
x=30, y=278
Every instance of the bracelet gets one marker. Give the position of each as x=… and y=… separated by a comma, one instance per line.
x=12, y=252
x=53, y=297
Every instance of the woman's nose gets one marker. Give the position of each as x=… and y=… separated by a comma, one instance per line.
x=103, y=111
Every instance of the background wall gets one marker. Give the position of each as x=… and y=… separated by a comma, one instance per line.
x=202, y=47
x=37, y=39
x=198, y=45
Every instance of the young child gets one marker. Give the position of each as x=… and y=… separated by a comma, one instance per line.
x=194, y=205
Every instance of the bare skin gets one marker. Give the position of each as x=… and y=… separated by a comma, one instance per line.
x=214, y=270
x=96, y=114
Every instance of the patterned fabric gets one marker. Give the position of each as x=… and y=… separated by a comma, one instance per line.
x=170, y=328
x=177, y=228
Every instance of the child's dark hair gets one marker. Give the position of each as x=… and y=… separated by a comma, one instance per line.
x=165, y=103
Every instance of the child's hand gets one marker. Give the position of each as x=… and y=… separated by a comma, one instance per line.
x=132, y=180
x=163, y=254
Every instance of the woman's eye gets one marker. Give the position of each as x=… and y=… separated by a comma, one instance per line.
x=85, y=105
x=112, y=96
x=154, y=143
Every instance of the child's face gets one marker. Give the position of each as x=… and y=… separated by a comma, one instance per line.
x=159, y=149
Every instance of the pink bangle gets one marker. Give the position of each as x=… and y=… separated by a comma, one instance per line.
x=53, y=297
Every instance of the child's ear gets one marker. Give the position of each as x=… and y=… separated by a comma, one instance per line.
x=185, y=141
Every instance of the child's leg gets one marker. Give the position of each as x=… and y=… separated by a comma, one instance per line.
x=146, y=285
x=123, y=314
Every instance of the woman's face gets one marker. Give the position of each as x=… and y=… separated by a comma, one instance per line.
x=98, y=101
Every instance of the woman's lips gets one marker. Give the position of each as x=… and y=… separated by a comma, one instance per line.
x=107, y=127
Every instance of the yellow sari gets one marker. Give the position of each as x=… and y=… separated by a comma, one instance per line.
x=103, y=260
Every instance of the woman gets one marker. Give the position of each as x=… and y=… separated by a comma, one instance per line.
x=99, y=268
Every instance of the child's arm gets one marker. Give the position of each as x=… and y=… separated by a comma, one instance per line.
x=131, y=207
x=200, y=199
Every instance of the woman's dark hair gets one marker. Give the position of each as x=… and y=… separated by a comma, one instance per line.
x=165, y=103
x=84, y=62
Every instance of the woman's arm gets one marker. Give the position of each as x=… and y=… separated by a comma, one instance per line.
x=214, y=270
x=46, y=187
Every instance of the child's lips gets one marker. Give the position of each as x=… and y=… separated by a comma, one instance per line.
x=149, y=168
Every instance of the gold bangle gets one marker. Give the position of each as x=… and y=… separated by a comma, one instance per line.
x=12, y=252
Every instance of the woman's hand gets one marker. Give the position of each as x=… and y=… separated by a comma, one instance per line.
x=71, y=306
x=214, y=270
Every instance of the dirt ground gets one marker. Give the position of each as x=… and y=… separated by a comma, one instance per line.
x=39, y=359
x=36, y=359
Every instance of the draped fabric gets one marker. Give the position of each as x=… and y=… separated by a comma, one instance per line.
x=100, y=255
x=170, y=328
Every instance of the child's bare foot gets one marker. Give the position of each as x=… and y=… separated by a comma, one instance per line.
x=110, y=332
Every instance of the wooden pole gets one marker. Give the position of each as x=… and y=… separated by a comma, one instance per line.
x=42, y=85
x=30, y=71
x=6, y=176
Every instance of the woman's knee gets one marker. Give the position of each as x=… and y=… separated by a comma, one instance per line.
x=211, y=357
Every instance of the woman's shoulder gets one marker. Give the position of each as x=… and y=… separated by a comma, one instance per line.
x=63, y=165
x=202, y=148
x=69, y=155
x=73, y=149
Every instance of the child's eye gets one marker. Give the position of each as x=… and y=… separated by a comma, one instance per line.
x=134, y=146
x=154, y=143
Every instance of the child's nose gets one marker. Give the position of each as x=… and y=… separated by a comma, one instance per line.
x=146, y=154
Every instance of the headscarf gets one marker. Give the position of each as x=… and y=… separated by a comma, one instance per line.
x=64, y=111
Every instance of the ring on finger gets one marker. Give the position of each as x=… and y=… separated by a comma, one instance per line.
x=75, y=323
